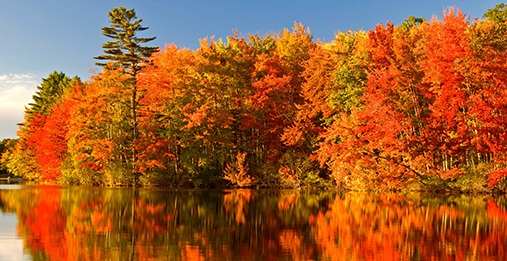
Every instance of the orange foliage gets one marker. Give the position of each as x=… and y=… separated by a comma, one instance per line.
x=237, y=173
x=378, y=110
x=237, y=202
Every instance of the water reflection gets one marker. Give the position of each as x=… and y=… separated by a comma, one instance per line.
x=68, y=223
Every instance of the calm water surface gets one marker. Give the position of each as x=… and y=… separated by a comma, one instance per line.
x=75, y=223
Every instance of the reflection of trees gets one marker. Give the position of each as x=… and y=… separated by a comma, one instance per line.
x=389, y=227
x=45, y=218
x=117, y=224
x=92, y=224
x=237, y=201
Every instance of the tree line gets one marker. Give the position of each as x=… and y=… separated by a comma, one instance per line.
x=419, y=105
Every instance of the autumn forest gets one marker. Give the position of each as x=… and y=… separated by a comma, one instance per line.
x=421, y=105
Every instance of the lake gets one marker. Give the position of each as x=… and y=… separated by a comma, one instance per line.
x=41, y=222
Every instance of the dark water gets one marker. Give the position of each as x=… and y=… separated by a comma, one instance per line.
x=72, y=223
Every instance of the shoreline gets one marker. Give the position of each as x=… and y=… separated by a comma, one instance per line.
x=435, y=191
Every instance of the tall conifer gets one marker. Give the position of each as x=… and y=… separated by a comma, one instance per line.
x=125, y=51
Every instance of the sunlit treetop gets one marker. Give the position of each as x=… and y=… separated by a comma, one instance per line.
x=498, y=14
x=125, y=50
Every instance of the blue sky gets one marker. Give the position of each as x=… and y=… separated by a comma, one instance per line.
x=39, y=37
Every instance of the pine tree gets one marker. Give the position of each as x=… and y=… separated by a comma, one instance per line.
x=125, y=51
x=50, y=91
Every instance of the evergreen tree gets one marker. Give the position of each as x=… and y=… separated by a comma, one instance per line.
x=49, y=93
x=125, y=50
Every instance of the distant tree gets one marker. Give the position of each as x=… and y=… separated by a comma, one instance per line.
x=49, y=93
x=3, y=145
x=6, y=146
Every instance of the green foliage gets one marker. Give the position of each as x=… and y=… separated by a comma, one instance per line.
x=125, y=49
x=497, y=14
x=74, y=174
x=474, y=180
x=50, y=92
x=4, y=145
x=488, y=34
x=411, y=21
x=117, y=173
x=350, y=73
x=6, y=148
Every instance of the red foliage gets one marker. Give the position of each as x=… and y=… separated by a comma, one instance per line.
x=494, y=177
x=52, y=142
x=46, y=225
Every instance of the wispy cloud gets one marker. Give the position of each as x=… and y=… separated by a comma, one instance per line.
x=16, y=91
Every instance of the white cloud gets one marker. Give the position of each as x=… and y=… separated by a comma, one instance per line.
x=16, y=91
